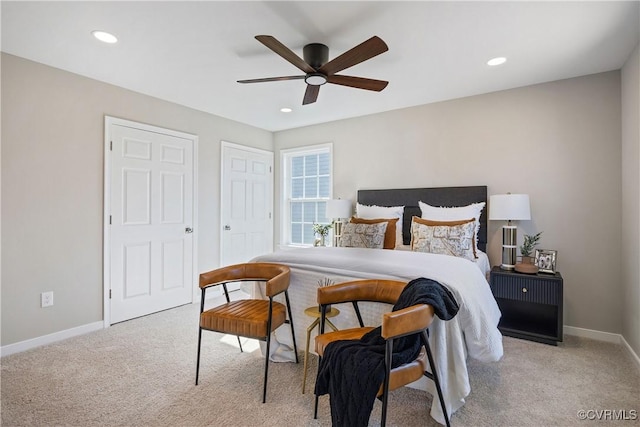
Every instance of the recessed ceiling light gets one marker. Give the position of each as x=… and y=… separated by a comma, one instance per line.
x=104, y=36
x=497, y=61
x=286, y=110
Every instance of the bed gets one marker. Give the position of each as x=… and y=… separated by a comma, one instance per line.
x=472, y=333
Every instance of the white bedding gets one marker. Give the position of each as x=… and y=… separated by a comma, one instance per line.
x=472, y=332
x=482, y=260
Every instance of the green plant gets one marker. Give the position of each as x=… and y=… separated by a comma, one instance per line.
x=322, y=229
x=530, y=242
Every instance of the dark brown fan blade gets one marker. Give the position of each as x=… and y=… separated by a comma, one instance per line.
x=358, y=82
x=285, y=52
x=272, y=79
x=366, y=50
x=311, y=94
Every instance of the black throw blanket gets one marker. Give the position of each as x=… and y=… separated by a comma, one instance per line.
x=352, y=371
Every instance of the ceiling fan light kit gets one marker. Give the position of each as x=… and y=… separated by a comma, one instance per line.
x=315, y=79
x=319, y=70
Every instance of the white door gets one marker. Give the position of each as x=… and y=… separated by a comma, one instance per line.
x=247, y=203
x=151, y=240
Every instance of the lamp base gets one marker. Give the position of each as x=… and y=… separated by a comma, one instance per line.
x=509, y=248
x=337, y=232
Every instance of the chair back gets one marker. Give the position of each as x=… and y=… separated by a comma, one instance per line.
x=375, y=290
x=275, y=275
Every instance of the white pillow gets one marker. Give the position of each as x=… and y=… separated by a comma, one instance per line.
x=375, y=212
x=363, y=235
x=473, y=210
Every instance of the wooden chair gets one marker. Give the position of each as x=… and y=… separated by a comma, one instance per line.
x=412, y=320
x=251, y=318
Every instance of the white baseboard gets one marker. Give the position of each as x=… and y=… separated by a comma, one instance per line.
x=51, y=338
x=633, y=354
x=595, y=335
x=603, y=336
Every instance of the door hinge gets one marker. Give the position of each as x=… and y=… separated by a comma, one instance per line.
x=110, y=145
x=109, y=293
x=269, y=168
x=109, y=219
x=269, y=215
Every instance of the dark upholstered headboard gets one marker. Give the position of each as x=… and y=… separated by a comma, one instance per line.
x=438, y=196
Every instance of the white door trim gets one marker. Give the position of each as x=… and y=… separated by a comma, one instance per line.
x=108, y=121
x=226, y=144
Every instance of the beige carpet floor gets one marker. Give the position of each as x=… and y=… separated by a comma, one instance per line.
x=141, y=373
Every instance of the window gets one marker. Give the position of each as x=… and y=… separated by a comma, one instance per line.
x=306, y=184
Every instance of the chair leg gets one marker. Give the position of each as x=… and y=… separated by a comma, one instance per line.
x=266, y=359
x=198, y=360
x=266, y=369
x=434, y=375
x=293, y=334
x=315, y=406
x=387, y=374
x=240, y=344
x=202, y=296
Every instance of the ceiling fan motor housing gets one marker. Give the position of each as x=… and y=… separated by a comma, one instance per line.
x=316, y=54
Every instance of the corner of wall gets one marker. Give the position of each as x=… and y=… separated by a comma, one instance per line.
x=630, y=124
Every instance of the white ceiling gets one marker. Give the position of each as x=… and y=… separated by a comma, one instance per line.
x=192, y=53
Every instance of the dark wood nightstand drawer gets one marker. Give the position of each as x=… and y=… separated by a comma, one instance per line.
x=526, y=289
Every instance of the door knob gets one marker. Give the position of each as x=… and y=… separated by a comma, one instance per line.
x=188, y=230
x=227, y=227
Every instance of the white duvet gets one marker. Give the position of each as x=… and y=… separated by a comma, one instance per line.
x=473, y=332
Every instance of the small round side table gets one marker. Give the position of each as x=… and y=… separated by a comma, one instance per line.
x=315, y=313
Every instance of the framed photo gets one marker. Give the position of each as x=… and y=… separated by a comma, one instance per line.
x=546, y=260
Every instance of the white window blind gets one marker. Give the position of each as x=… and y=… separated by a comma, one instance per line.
x=307, y=187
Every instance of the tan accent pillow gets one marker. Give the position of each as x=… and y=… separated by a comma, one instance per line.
x=456, y=238
x=389, y=235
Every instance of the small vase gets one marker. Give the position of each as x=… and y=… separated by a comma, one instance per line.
x=527, y=265
x=319, y=241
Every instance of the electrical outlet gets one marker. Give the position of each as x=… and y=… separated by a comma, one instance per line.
x=46, y=299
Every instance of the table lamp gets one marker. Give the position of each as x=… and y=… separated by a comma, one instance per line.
x=509, y=207
x=336, y=210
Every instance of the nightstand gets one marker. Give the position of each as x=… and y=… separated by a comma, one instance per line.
x=531, y=304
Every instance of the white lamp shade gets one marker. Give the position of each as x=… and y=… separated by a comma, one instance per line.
x=509, y=207
x=339, y=208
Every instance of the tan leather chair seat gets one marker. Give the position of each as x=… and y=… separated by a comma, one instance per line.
x=247, y=318
x=400, y=376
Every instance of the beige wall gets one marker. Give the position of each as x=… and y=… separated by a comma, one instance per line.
x=52, y=189
x=630, y=297
x=559, y=142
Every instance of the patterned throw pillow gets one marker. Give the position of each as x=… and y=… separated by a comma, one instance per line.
x=363, y=235
x=389, y=235
x=456, y=238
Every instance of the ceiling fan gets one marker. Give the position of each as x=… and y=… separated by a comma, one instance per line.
x=319, y=70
